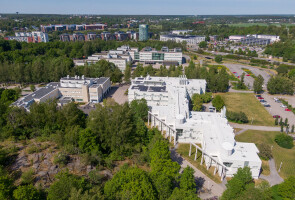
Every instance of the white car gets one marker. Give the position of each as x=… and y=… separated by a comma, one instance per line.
x=283, y=106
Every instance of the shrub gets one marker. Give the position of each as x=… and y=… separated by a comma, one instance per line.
x=28, y=177
x=264, y=151
x=239, y=117
x=284, y=141
x=61, y=159
x=33, y=149
x=218, y=102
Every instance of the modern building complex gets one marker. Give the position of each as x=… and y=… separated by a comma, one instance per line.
x=79, y=89
x=34, y=37
x=191, y=40
x=181, y=32
x=143, y=32
x=254, y=39
x=72, y=27
x=168, y=99
x=125, y=54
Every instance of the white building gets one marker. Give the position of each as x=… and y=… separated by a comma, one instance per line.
x=181, y=32
x=70, y=88
x=236, y=38
x=190, y=40
x=168, y=99
x=272, y=38
x=166, y=56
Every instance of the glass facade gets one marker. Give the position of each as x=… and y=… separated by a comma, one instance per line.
x=143, y=32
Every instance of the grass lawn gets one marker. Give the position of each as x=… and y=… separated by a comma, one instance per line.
x=183, y=150
x=287, y=156
x=247, y=103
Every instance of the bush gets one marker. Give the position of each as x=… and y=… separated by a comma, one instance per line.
x=61, y=159
x=239, y=117
x=264, y=151
x=28, y=177
x=218, y=102
x=284, y=141
x=218, y=58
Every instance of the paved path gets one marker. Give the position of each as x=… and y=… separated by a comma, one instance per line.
x=203, y=182
x=252, y=127
x=241, y=131
x=274, y=178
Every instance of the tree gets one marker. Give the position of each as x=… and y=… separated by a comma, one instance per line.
x=6, y=187
x=265, y=151
x=32, y=87
x=218, y=102
x=203, y=44
x=127, y=74
x=292, y=129
x=286, y=190
x=280, y=85
x=218, y=58
x=88, y=141
x=238, y=184
x=197, y=102
x=26, y=192
x=276, y=121
x=187, y=179
x=181, y=194
x=130, y=183
x=286, y=122
x=257, y=85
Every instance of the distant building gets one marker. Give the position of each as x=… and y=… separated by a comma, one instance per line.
x=236, y=38
x=35, y=37
x=273, y=38
x=190, y=40
x=254, y=41
x=181, y=32
x=143, y=32
x=79, y=89
x=95, y=27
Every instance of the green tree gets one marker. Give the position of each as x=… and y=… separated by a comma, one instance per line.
x=130, y=183
x=127, y=74
x=203, y=44
x=218, y=102
x=197, y=102
x=26, y=192
x=32, y=88
x=238, y=184
x=286, y=190
x=181, y=194
x=257, y=85
x=187, y=179
x=218, y=58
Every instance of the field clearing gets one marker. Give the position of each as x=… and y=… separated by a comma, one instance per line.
x=287, y=156
x=260, y=24
x=183, y=150
x=247, y=103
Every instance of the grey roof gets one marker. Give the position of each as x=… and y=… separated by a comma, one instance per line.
x=101, y=80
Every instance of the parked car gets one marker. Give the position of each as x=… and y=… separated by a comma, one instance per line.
x=262, y=100
x=276, y=116
x=266, y=105
x=234, y=72
x=278, y=101
x=283, y=106
x=287, y=109
x=258, y=95
x=247, y=74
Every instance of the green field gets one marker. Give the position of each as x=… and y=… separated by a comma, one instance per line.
x=259, y=24
x=287, y=156
x=247, y=103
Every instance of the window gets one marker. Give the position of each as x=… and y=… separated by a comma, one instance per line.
x=246, y=163
x=179, y=132
x=228, y=164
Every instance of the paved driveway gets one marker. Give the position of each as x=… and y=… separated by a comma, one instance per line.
x=118, y=93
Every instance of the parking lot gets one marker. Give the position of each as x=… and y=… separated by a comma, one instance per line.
x=118, y=93
x=276, y=109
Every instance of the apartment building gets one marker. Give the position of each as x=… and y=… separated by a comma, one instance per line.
x=169, y=99
x=29, y=37
x=191, y=40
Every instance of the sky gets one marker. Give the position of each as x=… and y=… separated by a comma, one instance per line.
x=149, y=7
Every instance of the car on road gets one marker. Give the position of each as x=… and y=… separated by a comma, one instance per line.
x=287, y=109
x=283, y=106
x=276, y=116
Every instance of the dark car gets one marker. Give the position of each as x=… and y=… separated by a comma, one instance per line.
x=262, y=100
x=258, y=95
x=266, y=105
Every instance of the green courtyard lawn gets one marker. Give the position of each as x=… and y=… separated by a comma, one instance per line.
x=287, y=156
x=183, y=150
x=247, y=103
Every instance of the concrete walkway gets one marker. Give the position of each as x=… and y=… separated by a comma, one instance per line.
x=206, y=187
x=241, y=131
x=274, y=177
x=252, y=127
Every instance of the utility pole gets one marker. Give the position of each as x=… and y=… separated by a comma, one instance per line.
x=280, y=166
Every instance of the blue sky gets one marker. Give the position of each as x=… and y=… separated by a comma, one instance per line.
x=160, y=7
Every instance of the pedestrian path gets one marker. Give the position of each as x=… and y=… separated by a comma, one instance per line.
x=274, y=177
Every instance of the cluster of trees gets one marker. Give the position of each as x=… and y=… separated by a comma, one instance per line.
x=285, y=49
x=240, y=84
x=247, y=52
x=264, y=151
x=284, y=140
x=280, y=85
x=238, y=117
x=199, y=99
x=242, y=186
x=287, y=71
x=217, y=77
x=172, y=71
